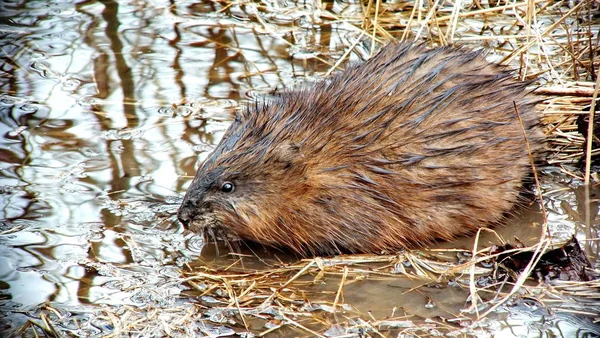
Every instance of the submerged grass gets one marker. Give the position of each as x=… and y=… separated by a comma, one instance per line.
x=555, y=42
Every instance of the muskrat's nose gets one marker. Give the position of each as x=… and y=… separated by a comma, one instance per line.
x=184, y=215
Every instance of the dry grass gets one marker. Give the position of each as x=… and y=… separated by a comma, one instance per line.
x=555, y=42
x=289, y=299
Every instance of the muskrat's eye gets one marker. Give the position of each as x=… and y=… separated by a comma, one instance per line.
x=227, y=187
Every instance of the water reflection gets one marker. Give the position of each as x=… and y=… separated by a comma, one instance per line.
x=106, y=108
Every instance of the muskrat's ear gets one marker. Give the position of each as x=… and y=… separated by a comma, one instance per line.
x=286, y=154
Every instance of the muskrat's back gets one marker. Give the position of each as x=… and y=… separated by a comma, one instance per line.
x=413, y=145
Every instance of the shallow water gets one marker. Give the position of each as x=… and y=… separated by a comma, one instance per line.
x=105, y=110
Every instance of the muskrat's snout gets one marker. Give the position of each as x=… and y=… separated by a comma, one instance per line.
x=194, y=214
x=189, y=210
x=185, y=214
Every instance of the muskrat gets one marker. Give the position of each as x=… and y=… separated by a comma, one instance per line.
x=411, y=146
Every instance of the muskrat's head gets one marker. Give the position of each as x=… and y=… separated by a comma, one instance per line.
x=243, y=185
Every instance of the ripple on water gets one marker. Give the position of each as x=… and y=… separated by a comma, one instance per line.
x=195, y=244
x=124, y=134
x=215, y=109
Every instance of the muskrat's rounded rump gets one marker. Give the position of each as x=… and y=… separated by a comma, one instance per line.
x=411, y=146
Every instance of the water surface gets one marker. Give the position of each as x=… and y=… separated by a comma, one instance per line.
x=106, y=109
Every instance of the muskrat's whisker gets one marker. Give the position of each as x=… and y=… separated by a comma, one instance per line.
x=211, y=233
x=233, y=246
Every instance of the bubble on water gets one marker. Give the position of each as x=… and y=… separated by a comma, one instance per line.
x=165, y=303
x=79, y=325
x=96, y=236
x=220, y=316
x=70, y=84
x=333, y=331
x=145, y=178
x=120, y=284
x=43, y=68
x=274, y=323
x=202, y=148
x=483, y=281
x=7, y=100
x=17, y=132
x=40, y=65
x=174, y=239
x=54, y=11
x=488, y=263
x=160, y=297
x=167, y=207
x=184, y=111
x=9, y=304
x=134, y=133
x=209, y=300
x=104, y=324
x=166, y=111
x=86, y=101
x=143, y=217
x=36, y=54
x=253, y=94
x=58, y=314
x=168, y=272
x=219, y=110
x=430, y=304
x=33, y=313
x=29, y=108
x=106, y=270
x=180, y=262
x=70, y=188
x=217, y=331
x=114, y=207
x=136, y=207
x=123, y=134
x=89, y=152
x=309, y=307
x=89, y=331
x=171, y=199
x=111, y=135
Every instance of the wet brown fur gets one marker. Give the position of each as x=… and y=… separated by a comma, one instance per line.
x=411, y=146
